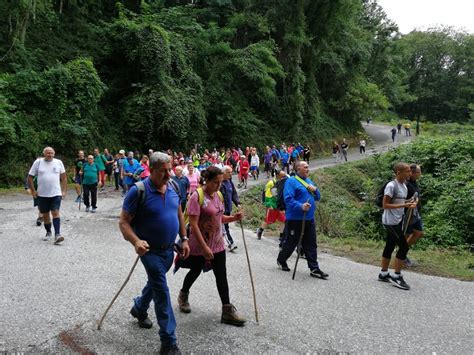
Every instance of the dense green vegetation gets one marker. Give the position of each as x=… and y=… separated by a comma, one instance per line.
x=164, y=73
x=347, y=208
x=447, y=188
x=349, y=222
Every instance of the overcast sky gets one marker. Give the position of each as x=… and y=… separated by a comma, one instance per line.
x=421, y=14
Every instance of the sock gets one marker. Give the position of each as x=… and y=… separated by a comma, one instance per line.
x=384, y=272
x=396, y=274
x=47, y=227
x=57, y=224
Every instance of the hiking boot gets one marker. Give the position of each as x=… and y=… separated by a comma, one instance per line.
x=232, y=247
x=319, y=273
x=58, y=238
x=143, y=320
x=283, y=266
x=93, y=209
x=259, y=233
x=169, y=350
x=230, y=316
x=39, y=220
x=78, y=199
x=48, y=237
x=183, y=302
x=398, y=281
x=88, y=209
x=385, y=278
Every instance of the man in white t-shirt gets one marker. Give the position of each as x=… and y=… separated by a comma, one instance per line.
x=394, y=204
x=52, y=185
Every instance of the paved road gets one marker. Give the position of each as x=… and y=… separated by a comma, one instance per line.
x=52, y=297
x=381, y=141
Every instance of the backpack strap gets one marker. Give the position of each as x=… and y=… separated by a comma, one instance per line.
x=200, y=192
x=141, y=194
x=304, y=183
x=175, y=187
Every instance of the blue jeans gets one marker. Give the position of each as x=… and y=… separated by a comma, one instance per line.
x=157, y=263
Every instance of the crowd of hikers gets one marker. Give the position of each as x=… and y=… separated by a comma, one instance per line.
x=169, y=195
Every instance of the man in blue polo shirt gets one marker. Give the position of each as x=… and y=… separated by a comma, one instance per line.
x=300, y=195
x=151, y=227
x=130, y=166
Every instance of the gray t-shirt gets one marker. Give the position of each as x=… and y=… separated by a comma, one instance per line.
x=398, y=194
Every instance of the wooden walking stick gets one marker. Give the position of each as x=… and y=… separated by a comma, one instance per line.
x=250, y=272
x=410, y=213
x=300, y=242
x=118, y=293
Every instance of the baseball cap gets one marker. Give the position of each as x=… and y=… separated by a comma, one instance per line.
x=121, y=151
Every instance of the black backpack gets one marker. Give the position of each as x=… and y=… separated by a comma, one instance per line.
x=280, y=198
x=380, y=194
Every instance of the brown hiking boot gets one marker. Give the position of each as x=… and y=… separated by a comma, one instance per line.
x=230, y=316
x=183, y=302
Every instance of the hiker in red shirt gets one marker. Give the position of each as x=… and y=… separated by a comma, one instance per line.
x=243, y=171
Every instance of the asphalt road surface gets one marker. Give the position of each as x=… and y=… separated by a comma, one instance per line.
x=53, y=296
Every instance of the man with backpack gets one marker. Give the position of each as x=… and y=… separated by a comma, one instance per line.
x=394, y=203
x=151, y=227
x=273, y=214
x=414, y=229
x=301, y=195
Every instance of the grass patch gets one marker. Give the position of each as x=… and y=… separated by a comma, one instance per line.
x=454, y=263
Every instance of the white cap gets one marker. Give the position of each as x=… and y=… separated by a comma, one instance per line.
x=121, y=151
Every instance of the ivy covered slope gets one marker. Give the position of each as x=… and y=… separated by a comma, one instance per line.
x=137, y=74
x=348, y=209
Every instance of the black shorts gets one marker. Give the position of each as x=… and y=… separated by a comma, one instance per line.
x=267, y=167
x=47, y=204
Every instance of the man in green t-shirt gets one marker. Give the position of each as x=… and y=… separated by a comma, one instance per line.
x=80, y=161
x=100, y=160
x=90, y=177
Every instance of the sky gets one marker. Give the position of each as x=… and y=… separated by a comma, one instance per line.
x=421, y=14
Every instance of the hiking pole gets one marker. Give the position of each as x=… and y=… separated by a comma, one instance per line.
x=80, y=200
x=299, y=243
x=250, y=272
x=118, y=293
x=410, y=213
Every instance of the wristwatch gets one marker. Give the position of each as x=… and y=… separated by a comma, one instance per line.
x=184, y=239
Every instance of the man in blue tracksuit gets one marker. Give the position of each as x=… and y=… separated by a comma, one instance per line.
x=300, y=195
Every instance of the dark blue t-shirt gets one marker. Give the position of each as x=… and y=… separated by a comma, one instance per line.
x=157, y=221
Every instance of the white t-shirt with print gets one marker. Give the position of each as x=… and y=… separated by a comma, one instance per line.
x=398, y=194
x=48, y=173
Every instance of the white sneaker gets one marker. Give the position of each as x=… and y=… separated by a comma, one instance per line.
x=48, y=237
x=58, y=238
